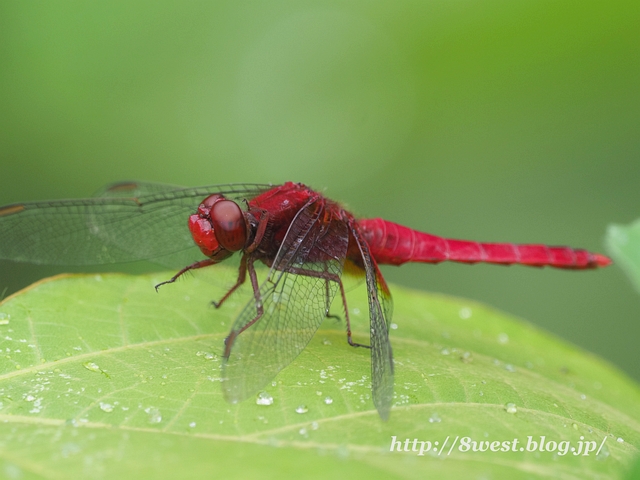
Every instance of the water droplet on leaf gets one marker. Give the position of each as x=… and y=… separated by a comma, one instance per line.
x=264, y=399
x=154, y=415
x=91, y=366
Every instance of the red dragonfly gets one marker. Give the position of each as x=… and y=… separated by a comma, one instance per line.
x=303, y=237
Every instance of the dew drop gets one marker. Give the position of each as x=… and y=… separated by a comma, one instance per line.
x=620, y=440
x=342, y=451
x=511, y=408
x=91, y=366
x=106, y=407
x=154, y=415
x=29, y=398
x=302, y=431
x=328, y=400
x=394, y=326
x=314, y=425
x=192, y=425
x=445, y=351
x=465, y=313
x=503, y=338
x=264, y=399
x=263, y=419
x=509, y=368
x=326, y=341
x=302, y=409
x=4, y=318
x=434, y=418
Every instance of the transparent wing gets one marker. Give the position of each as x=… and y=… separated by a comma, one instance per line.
x=293, y=300
x=126, y=222
x=136, y=189
x=380, y=313
x=129, y=189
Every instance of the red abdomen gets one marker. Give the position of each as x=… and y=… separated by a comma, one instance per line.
x=394, y=244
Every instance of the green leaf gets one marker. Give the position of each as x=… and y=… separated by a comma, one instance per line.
x=623, y=244
x=102, y=377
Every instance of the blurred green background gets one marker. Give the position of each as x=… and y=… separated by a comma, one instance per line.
x=493, y=121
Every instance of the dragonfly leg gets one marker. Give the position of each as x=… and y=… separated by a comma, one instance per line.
x=242, y=271
x=337, y=318
x=228, y=342
x=329, y=277
x=346, y=317
x=327, y=297
x=262, y=227
x=193, y=266
x=242, y=275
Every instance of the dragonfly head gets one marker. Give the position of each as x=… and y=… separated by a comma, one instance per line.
x=219, y=228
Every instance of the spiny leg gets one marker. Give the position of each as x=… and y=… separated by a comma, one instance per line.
x=242, y=275
x=326, y=293
x=333, y=278
x=228, y=342
x=242, y=270
x=347, y=321
x=262, y=227
x=193, y=266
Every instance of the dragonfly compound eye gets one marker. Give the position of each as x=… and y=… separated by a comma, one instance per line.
x=205, y=207
x=228, y=222
x=203, y=234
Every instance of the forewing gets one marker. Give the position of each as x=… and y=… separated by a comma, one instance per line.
x=380, y=313
x=294, y=300
x=127, y=222
x=136, y=189
x=129, y=189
